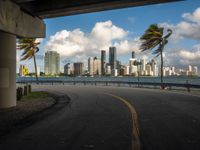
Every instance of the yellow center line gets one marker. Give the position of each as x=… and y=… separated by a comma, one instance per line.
x=135, y=129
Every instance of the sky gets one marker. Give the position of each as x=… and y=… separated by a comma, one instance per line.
x=78, y=37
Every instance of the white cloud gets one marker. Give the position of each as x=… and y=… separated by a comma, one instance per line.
x=183, y=57
x=126, y=46
x=106, y=32
x=188, y=28
x=39, y=40
x=194, y=17
x=67, y=43
x=77, y=45
x=192, y=56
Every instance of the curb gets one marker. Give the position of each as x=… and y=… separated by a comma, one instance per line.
x=60, y=102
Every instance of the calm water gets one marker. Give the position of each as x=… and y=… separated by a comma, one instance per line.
x=191, y=80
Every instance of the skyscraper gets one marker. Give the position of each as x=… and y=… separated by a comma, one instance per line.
x=132, y=67
x=94, y=66
x=91, y=66
x=154, y=67
x=143, y=65
x=190, y=68
x=133, y=54
x=52, y=63
x=78, y=68
x=195, y=70
x=103, y=62
x=67, y=70
x=97, y=66
x=112, y=57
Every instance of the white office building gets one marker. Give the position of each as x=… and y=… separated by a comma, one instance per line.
x=195, y=70
x=133, y=70
x=108, y=70
x=94, y=66
x=148, y=71
x=143, y=64
x=38, y=71
x=126, y=70
x=52, y=63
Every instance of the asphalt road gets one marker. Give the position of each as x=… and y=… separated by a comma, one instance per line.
x=99, y=118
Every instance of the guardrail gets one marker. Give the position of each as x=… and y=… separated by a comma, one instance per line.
x=118, y=83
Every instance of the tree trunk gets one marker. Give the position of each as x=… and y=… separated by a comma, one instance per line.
x=36, y=73
x=161, y=69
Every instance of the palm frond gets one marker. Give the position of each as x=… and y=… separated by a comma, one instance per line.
x=153, y=37
x=169, y=34
x=158, y=50
x=29, y=47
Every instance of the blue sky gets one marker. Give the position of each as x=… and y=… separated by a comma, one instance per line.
x=143, y=16
x=131, y=24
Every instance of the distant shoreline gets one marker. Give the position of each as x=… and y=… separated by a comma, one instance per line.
x=169, y=79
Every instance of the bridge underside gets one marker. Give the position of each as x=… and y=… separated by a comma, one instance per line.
x=57, y=8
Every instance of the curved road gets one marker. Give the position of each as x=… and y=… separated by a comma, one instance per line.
x=105, y=118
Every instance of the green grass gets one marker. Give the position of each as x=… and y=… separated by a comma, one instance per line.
x=35, y=95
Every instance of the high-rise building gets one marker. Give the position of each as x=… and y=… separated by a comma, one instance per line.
x=38, y=71
x=103, y=62
x=122, y=71
x=143, y=64
x=114, y=72
x=112, y=57
x=190, y=68
x=173, y=70
x=108, y=70
x=91, y=66
x=97, y=66
x=52, y=63
x=133, y=54
x=132, y=61
x=195, y=70
x=118, y=65
x=132, y=69
x=67, y=70
x=127, y=70
x=154, y=67
x=78, y=68
x=94, y=66
x=23, y=71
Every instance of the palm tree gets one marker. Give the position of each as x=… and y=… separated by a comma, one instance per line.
x=154, y=39
x=30, y=47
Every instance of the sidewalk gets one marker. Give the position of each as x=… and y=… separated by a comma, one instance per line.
x=28, y=106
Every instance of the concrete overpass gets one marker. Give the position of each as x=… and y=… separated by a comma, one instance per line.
x=24, y=18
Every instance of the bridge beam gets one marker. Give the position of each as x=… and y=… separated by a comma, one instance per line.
x=15, y=21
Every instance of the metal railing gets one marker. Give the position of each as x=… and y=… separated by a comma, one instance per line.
x=169, y=86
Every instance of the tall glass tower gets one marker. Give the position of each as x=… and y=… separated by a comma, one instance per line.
x=113, y=57
x=103, y=62
x=133, y=54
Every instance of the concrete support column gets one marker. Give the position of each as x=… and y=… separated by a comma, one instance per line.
x=7, y=70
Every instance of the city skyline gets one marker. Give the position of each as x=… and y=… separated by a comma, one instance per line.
x=122, y=29
x=112, y=67
x=145, y=67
